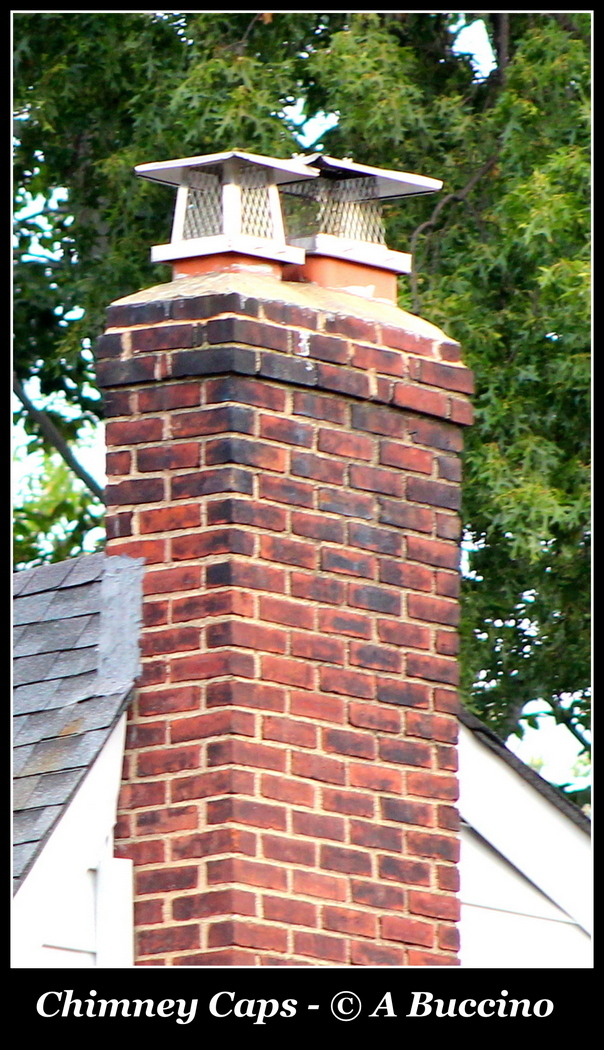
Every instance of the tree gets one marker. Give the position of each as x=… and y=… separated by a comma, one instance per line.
x=501, y=258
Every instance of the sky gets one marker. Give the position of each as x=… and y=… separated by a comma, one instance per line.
x=551, y=749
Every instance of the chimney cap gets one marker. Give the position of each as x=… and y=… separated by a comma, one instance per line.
x=227, y=203
x=173, y=172
x=388, y=184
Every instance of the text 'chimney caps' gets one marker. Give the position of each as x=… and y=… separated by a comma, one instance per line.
x=227, y=202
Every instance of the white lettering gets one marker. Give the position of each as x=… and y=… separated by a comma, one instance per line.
x=42, y=1003
x=214, y=1004
x=422, y=999
x=384, y=1006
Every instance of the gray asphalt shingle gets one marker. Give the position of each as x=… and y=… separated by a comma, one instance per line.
x=76, y=660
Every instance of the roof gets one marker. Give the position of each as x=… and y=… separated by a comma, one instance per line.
x=76, y=658
x=556, y=796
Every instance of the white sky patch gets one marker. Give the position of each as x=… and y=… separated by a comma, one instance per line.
x=473, y=40
x=550, y=749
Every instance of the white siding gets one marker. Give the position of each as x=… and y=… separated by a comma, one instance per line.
x=74, y=908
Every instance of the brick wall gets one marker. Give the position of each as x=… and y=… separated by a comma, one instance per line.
x=287, y=462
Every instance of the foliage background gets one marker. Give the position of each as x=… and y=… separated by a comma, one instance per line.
x=501, y=262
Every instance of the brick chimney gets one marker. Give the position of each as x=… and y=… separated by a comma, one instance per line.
x=284, y=453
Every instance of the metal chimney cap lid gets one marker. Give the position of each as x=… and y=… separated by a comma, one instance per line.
x=389, y=183
x=172, y=172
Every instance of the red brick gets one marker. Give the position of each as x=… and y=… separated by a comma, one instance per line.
x=292, y=912
x=247, y=872
x=341, y=621
x=168, y=939
x=316, y=767
x=350, y=683
x=433, y=668
x=375, y=657
x=212, y=665
x=442, y=847
x=287, y=789
x=406, y=752
x=313, y=884
x=343, y=443
x=374, y=716
x=376, y=479
x=156, y=821
x=405, y=811
x=363, y=953
x=315, y=705
x=319, y=946
x=357, y=745
x=397, y=454
x=216, y=902
x=352, y=803
x=246, y=635
x=167, y=760
x=378, y=895
x=167, y=457
x=347, y=562
x=134, y=432
x=317, y=648
x=318, y=526
x=376, y=778
x=217, y=840
x=347, y=861
x=434, y=905
x=166, y=879
x=214, y=782
x=407, y=395
x=248, y=935
x=318, y=826
x=246, y=811
x=374, y=836
x=289, y=850
x=166, y=519
x=256, y=695
x=348, y=920
x=430, y=726
x=246, y=753
x=284, y=490
x=404, y=870
x=212, y=723
x=289, y=431
x=285, y=611
x=321, y=468
x=292, y=552
x=287, y=671
x=410, y=931
x=289, y=731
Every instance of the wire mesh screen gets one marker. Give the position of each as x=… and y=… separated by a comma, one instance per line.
x=347, y=208
x=256, y=219
x=203, y=217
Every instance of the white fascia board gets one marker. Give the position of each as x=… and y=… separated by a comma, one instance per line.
x=527, y=829
x=243, y=244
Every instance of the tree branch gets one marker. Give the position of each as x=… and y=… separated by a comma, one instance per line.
x=565, y=717
x=56, y=439
x=459, y=195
